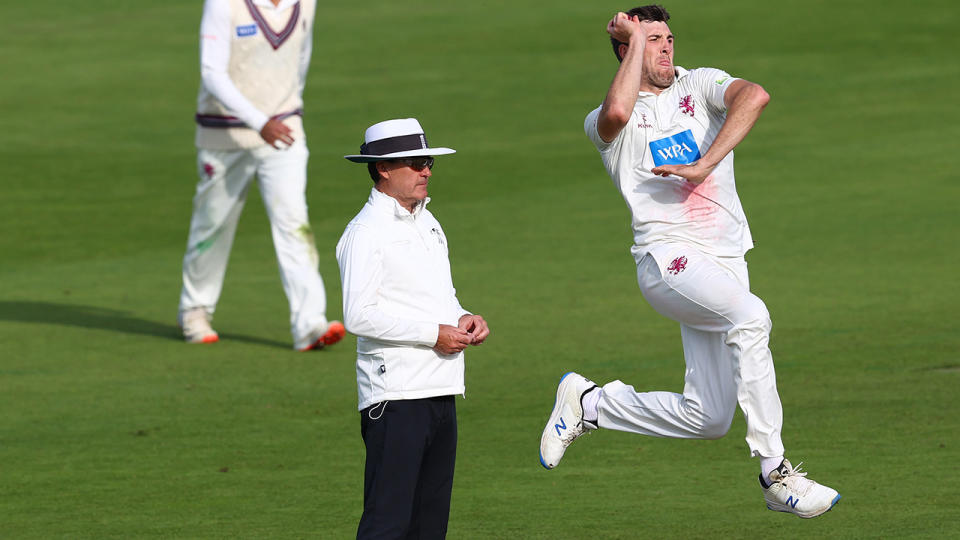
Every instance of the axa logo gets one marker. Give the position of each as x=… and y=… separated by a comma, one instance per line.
x=643, y=122
x=561, y=425
x=792, y=502
x=678, y=265
x=686, y=105
x=208, y=170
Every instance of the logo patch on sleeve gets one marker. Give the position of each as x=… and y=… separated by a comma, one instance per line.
x=679, y=149
x=247, y=30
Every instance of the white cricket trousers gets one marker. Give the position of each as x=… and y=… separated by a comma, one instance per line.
x=225, y=177
x=725, y=331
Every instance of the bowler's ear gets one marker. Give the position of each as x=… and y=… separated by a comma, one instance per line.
x=622, y=49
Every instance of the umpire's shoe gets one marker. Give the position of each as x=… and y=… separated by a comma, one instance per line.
x=787, y=490
x=566, y=421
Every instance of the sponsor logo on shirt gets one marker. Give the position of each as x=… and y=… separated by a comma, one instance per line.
x=686, y=105
x=245, y=30
x=723, y=80
x=679, y=149
x=436, y=232
x=644, y=123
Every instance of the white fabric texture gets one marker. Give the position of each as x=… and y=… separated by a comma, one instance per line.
x=225, y=178
x=670, y=209
x=725, y=331
x=397, y=290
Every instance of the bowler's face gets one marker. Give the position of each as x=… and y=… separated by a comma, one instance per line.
x=405, y=184
x=658, y=55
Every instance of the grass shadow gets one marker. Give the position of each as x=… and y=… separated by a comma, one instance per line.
x=104, y=319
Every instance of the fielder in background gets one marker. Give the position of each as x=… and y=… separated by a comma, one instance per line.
x=254, y=56
x=398, y=298
x=666, y=137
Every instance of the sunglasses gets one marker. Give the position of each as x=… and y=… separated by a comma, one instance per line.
x=417, y=163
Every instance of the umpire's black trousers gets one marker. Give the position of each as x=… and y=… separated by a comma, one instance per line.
x=411, y=450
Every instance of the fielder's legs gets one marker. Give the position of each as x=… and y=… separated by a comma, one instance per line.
x=725, y=332
x=283, y=183
x=221, y=192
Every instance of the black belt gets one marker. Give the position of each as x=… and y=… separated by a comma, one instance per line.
x=219, y=121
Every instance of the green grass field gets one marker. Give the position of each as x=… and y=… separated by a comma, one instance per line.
x=111, y=427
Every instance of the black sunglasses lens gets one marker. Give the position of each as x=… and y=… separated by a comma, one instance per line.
x=422, y=163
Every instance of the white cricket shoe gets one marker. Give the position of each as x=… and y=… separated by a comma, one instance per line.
x=195, y=324
x=566, y=421
x=789, y=491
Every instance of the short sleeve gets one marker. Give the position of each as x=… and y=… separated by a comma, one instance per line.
x=712, y=84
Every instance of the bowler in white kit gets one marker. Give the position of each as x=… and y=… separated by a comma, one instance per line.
x=666, y=137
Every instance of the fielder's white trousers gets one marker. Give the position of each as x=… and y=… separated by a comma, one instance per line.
x=725, y=331
x=225, y=177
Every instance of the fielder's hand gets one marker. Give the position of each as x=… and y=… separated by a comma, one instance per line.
x=276, y=133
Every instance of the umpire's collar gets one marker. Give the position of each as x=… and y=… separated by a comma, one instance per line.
x=387, y=204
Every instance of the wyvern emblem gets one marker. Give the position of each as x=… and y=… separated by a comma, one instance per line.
x=677, y=265
x=686, y=105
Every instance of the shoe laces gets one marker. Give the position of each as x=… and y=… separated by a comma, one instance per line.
x=574, y=432
x=794, y=480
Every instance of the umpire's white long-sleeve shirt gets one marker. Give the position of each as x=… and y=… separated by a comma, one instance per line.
x=397, y=290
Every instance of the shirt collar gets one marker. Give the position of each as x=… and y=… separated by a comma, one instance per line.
x=387, y=204
x=284, y=4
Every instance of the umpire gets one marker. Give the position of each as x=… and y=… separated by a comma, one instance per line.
x=399, y=300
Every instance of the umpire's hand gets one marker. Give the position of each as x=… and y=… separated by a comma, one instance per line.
x=452, y=340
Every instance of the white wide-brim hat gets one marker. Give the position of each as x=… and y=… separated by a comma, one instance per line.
x=392, y=139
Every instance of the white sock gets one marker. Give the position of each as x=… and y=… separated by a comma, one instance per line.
x=589, y=402
x=768, y=464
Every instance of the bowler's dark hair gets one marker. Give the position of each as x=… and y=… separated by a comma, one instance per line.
x=653, y=12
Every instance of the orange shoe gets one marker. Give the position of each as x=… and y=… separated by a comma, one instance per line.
x=335, y=332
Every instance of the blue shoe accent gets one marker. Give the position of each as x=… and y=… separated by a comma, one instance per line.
x=835, y=500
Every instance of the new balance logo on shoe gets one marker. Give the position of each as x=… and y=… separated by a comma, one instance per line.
x=561, y=425
x=792, y=502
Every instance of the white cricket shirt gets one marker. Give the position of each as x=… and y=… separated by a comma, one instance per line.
x=676, y=127
x=397, y=290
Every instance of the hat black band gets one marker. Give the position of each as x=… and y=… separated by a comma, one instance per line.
x=403, y=143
